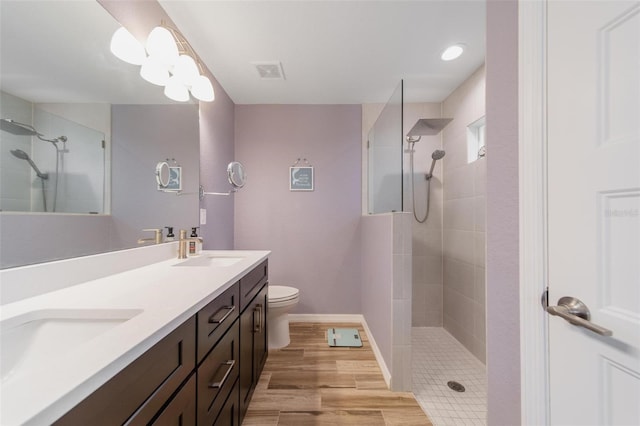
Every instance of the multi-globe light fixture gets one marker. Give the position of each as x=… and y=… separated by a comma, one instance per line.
x=168, y=60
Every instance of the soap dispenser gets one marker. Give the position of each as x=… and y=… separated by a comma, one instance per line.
x=170, y=235
x=195, y=245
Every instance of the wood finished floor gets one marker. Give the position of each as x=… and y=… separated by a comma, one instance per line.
x=310, y=383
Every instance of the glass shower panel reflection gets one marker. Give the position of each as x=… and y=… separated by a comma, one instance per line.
x=80, y=165
x=385, y=158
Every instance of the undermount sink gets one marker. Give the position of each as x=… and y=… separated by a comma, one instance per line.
x=209, y=260
x=34, y=338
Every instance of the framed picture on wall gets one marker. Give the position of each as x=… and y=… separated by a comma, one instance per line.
x=301, y=178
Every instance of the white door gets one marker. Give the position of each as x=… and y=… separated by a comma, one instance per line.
x=594, y=208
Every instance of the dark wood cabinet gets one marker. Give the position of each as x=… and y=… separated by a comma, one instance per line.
x=181, y=410
x=204, y=372
x=229, y=414
x=216, y=318
x=253, y=346
x=251, y=283
x=217, y=376
x=136, y=394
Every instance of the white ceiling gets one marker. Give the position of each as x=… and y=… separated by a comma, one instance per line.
x=331, y=51
x=58, y=51
x=334, y=52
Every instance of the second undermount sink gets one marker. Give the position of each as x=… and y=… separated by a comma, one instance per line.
x=37, y=337
x=210, y=260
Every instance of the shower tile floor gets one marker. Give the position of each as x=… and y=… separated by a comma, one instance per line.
x=437, y=358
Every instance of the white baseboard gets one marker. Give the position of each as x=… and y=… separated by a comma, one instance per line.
x=355, y=318
x=383, y=366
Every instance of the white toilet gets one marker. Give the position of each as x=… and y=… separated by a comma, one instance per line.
x=281, y=300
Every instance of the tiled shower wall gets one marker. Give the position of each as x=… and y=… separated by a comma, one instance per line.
x=464, y=207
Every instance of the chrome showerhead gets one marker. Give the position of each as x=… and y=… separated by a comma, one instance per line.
x=18, y=153
x=22, y=129
x=437, y=154
x=427, y=127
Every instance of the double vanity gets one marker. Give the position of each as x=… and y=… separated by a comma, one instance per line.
x=157, y=341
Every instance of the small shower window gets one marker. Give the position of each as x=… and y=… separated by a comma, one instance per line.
x=476, y=140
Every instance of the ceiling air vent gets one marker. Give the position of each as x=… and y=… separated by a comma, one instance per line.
x=269, y=70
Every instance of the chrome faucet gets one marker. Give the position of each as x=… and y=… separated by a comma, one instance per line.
x=157, y=239
x=182, y=245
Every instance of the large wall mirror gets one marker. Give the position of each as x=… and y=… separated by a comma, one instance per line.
x=80, y=137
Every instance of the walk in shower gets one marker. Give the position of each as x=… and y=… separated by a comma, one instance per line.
x=438, y=176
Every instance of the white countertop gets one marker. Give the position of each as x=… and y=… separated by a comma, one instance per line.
x=166, y=296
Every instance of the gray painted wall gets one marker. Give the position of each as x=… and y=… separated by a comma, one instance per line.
x=314, y=236
x=216, y=151
x=502, y=304
x=29, y=238
x=143, y=135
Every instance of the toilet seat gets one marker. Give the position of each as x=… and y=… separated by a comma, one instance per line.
x=281, y=293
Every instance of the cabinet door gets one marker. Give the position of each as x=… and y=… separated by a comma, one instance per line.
x=260, y=343
x=253, y=347
x=182, y=408
x=247, y=321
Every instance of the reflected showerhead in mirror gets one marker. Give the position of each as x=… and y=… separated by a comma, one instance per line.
x=15, y=128
x=437, y=154
x=21, y=129
x=427, y=127
x=20, y=154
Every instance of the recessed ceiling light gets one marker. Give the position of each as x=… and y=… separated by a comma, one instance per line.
x=452, y=52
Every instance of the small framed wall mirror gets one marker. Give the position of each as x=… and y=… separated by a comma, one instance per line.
x=237, y=175
x=168, y=178
x=237, y=178
x=163, y=174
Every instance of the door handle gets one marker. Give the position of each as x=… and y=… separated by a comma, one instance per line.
x=577, y=313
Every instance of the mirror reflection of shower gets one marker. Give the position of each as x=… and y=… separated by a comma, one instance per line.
x=424, y=127
x=22, y=129
x=20, y=154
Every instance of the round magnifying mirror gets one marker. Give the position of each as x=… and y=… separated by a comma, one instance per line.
x=237, y=177
x=162, y=174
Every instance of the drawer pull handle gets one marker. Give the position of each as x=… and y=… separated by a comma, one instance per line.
x=258, y=326
x=229, y=309
x=219, y=384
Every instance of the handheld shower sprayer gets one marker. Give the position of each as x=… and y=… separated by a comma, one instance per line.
x=437, y=155
x=425, y=127
x=18, y=153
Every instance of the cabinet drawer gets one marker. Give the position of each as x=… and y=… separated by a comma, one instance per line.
x=216, y=318
x=136, y=394
x=229, y=413
x=251, y=283
x=181, y=410
x=217, y=375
